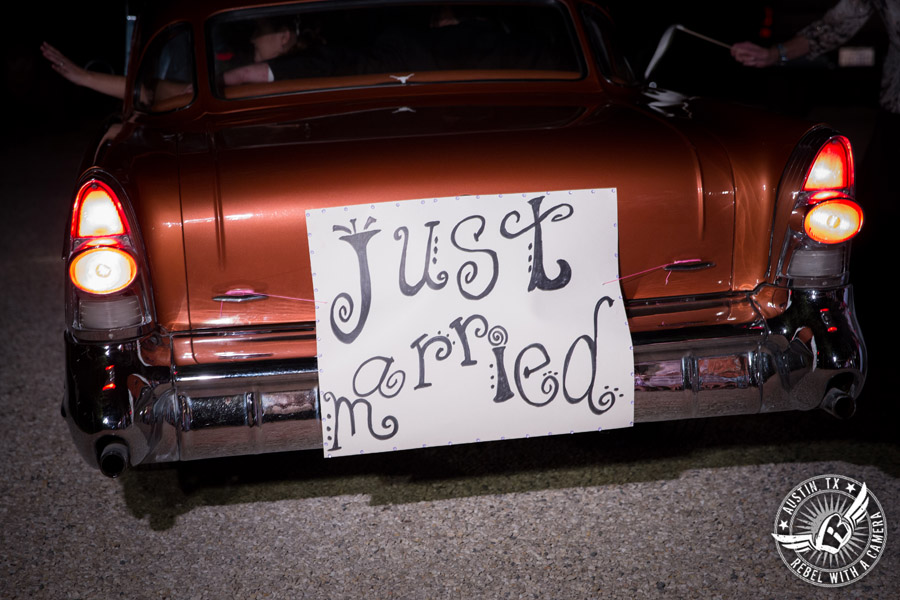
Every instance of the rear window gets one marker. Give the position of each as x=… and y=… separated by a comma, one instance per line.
x=277, y=50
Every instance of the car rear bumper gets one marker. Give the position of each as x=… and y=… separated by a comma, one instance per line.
x=123, y=410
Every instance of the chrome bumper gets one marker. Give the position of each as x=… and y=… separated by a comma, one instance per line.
x=123, y=411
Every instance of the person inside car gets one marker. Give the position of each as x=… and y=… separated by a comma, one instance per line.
x=273, y=38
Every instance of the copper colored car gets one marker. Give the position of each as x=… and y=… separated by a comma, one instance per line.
x=191, y=306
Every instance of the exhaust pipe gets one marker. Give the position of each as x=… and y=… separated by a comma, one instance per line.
x=114, y=459
x=838, y=403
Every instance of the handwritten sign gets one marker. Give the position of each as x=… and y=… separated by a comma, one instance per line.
x=452, y=320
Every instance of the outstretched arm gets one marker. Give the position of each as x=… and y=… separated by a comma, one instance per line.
x=255, y=73
x=111, y=85
x=751, y=55
x=837, y=26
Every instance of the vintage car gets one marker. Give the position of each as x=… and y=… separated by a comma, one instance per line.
x=378, y=225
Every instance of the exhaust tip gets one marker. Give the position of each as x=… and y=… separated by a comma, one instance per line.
x=839, y=403
x=114, y=459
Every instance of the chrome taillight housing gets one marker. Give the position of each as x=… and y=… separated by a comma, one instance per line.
x=825, y=215
x=107, y=287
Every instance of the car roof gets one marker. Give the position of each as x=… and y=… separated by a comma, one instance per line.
x=155, y=17
x=158, y=14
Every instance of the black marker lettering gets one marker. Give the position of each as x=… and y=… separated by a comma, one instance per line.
x=498, y=337
x=440, y=354
x=388, y=384
x=442, y=277
x=468, y=272
x=388, y=423
x=549, y=383
x=606, y=400
x=343, y=303
x=460, y=327
x=539, y=279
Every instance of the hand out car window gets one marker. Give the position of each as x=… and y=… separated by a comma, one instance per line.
x=278, y=50
x=165, y=79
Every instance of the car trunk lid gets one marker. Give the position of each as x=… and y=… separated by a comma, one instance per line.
x=245, y=190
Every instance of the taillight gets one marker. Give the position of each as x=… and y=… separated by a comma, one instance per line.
x=825, y=215
x=99, y=262
x=103, y=270
x=833, y=221
x=832, y=168
x=108, y=296
x=97, y=212
x=832, y=215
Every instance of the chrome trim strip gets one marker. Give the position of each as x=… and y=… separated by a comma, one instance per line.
x=240, y=298
x=300, y=369
x=252, y=330
x=795, y=361
x=691, y=266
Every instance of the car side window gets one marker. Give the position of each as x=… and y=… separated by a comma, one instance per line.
x=166, y=80
x=610, y=60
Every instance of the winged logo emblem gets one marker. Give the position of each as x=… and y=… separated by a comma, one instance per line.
x=833, y=533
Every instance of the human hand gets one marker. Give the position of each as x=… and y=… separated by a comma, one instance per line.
x=63, y=65
x=751, y=55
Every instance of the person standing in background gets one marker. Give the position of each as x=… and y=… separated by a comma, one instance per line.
x=836, y=27
x=878, y=197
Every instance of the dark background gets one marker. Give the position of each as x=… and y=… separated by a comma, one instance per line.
x=90, y=33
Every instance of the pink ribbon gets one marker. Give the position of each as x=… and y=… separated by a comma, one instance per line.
x=663, y=266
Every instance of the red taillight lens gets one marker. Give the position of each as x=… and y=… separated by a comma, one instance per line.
x=833, y=167
x=833, y=221
x=103, y=270
x=107, y=296
x=97, y=212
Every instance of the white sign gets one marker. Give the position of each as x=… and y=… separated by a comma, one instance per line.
x=452, y=320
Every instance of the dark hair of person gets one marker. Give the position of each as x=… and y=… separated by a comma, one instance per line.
x=305, y=35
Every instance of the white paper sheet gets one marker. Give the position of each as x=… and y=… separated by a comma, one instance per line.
x=463, y=319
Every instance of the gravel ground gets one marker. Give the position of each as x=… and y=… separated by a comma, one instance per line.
x=665, y=511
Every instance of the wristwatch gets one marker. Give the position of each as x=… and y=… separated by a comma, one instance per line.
x=782, y=54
